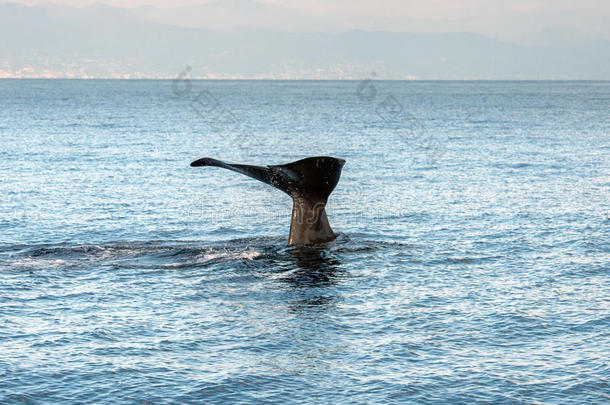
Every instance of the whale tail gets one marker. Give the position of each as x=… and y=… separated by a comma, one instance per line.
x=308, y=181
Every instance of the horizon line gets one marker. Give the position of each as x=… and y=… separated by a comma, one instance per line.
x=300, y=79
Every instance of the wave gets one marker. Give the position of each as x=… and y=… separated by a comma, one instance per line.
x=269, y=253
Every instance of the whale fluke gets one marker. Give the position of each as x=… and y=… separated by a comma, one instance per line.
x=308, y=181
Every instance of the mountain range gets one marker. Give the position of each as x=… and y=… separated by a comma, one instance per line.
x=100, y=41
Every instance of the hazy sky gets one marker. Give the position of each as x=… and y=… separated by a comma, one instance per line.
x=440, y=9
x=502, y=18
x=521, y=39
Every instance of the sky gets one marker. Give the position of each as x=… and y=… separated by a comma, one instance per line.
x=498, y=18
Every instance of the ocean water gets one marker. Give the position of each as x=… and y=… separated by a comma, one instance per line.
x=472, y=263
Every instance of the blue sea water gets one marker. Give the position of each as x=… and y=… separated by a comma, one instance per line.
x=472, y=263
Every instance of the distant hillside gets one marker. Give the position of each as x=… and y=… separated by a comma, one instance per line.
x=102, y=41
